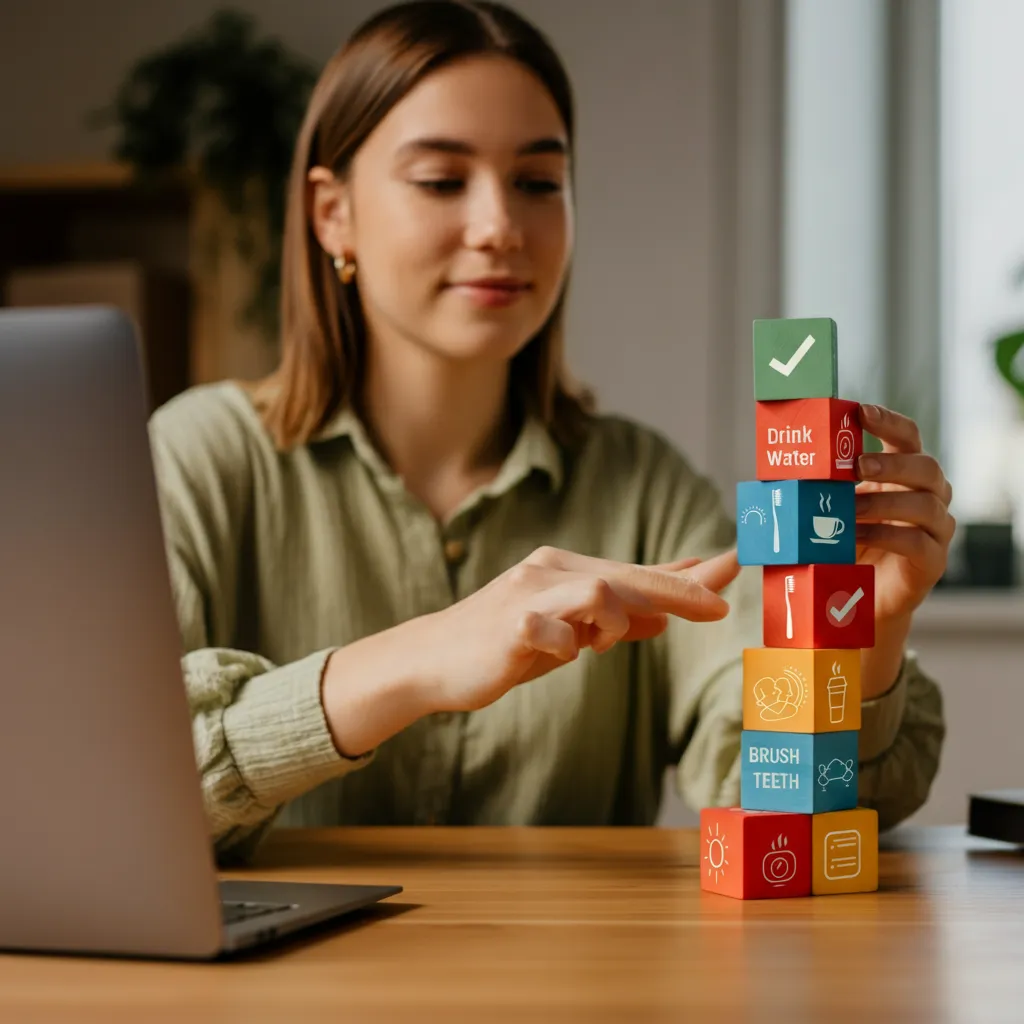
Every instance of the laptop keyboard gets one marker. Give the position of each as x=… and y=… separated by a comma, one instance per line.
x=234, y=911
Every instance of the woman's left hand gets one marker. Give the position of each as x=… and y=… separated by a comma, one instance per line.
x=903, y=523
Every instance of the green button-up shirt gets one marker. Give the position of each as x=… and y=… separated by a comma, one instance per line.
x=277, y=559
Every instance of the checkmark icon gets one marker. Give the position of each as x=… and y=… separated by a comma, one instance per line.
x=840, y=613
x=795, y=359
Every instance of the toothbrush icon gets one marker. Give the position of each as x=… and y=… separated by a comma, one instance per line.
x=776, y=503
x=790, y=587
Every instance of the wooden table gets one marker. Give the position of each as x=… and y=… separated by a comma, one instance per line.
x=584, y=924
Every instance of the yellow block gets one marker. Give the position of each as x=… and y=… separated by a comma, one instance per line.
x=844, y=851
x=801, y=690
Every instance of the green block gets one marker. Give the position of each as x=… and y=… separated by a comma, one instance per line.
x=788, y=365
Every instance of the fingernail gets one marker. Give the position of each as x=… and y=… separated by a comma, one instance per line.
x=869, y=466
x=871, y=411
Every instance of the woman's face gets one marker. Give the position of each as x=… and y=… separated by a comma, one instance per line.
x=467, y=178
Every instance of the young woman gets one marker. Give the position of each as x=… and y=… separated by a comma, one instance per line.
x=376, y=547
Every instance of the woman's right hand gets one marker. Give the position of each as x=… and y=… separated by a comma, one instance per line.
x=543, y=611
x=531, y=619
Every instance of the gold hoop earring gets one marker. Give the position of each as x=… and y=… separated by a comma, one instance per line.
x=346, y=268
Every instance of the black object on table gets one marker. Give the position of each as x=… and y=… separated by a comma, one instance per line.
x=998, y=814
x=988, y=555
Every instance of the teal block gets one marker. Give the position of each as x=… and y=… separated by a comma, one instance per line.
x=795, y=358
x=806, y=773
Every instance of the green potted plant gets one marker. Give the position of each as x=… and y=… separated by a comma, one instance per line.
x=228, y=106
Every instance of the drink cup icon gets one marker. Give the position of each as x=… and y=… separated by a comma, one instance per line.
x=827, y=528
x=836, y=698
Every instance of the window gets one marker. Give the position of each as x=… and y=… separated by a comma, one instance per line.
x=835, y=162
x=982, y=250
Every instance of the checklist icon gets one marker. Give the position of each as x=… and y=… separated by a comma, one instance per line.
x=842, y=854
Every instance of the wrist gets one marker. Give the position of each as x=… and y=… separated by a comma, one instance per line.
x=881, y=664
x=374, y=688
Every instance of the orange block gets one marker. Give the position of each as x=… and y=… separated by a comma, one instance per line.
x=844, y=851
x=801, y=690
x=808, y=439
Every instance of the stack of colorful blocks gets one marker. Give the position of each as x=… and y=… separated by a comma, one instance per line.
x=798, y=830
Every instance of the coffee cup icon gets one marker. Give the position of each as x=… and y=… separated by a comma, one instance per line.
x=836, y=699
x=828, y=528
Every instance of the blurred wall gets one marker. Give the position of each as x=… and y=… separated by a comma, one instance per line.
x=674, y=151
x=677, y=173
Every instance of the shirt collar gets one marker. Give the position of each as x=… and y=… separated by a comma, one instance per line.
x=534, y=449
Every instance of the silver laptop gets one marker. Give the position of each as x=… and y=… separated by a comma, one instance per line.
x=104, y=847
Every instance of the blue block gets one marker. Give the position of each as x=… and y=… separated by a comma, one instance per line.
x=807, y=773
x=796, y=522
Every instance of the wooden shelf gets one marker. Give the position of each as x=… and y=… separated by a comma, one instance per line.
x=84, y=176
x=97, y=174
x=68, y=216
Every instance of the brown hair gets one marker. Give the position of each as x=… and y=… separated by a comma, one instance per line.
x=323, y=333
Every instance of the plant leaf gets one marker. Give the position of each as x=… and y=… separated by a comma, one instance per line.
x=1009, y=351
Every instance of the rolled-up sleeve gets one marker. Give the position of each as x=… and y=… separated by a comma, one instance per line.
x=260, y=737
x=901, y=738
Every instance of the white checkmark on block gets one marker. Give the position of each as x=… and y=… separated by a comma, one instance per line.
x=795, y=359
x=840, y=613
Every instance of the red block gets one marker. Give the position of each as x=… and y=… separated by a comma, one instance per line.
x=753, y=855
x=819, y=606
x=808, y=439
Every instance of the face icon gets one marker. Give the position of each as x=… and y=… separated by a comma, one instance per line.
x=781, y=697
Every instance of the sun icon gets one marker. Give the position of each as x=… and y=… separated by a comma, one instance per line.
x=754, y=512
x=715, y=855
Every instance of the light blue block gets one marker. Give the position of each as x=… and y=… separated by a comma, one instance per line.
x=766, y=522
x=796, y=522
x=806, y=773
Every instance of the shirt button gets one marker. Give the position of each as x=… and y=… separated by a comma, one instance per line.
x=454, y=550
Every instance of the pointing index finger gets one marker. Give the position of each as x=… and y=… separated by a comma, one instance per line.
x=678, y=594
x=717, y=572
